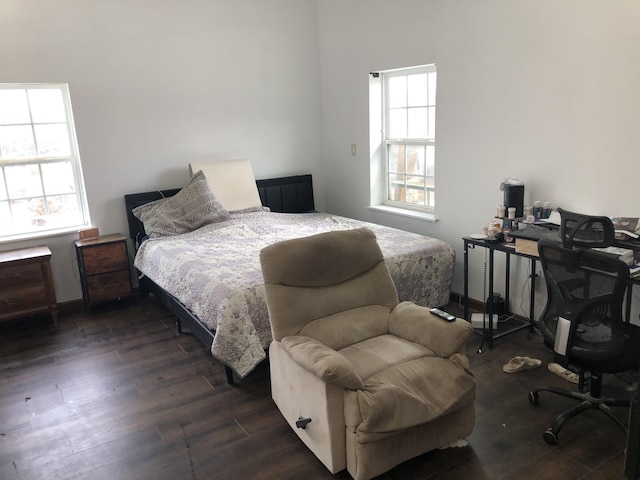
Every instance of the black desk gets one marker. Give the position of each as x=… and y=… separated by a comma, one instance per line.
x=508, y=250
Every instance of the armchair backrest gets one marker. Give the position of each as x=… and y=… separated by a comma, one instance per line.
x=317, y=276
x=583, y=318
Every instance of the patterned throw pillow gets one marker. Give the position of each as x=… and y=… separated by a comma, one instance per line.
x=191, y=208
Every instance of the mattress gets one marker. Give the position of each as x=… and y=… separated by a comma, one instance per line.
x=215, y=273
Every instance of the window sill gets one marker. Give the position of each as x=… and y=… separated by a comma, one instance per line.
x=35, y=235
x=404, y=212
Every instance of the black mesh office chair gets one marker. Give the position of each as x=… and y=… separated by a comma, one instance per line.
x=585, y=231
x=583, y=319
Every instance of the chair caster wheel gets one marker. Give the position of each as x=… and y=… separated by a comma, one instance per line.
x=533, y=398
x=550, y=437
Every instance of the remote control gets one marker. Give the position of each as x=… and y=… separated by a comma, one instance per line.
x=442, y=314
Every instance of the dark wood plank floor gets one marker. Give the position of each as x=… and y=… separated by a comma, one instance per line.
x=118, y=394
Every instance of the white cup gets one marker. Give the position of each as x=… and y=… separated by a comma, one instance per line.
x=512, y=213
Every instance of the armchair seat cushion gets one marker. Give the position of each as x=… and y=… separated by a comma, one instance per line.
x=374, y=355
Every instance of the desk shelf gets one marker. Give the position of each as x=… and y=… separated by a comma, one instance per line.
x=488, y=333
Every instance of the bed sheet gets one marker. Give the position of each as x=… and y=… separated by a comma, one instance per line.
x=215, y=272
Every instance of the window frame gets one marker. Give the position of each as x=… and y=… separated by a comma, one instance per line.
x=382, y=145
x=40, y=160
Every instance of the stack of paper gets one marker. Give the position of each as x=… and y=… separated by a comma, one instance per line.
x=624, y=254
x=626, y=227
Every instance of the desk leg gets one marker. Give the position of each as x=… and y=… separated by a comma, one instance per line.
x=507, y=282
x=466, y=281
x=629, y=299
x=532, y=295
x=489, y=307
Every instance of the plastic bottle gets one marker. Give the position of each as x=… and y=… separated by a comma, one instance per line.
x=537, y=209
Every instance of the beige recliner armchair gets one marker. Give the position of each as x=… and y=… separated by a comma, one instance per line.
x=366, y=382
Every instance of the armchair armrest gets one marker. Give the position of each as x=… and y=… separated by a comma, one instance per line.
x=416, y=324
x=324, y=362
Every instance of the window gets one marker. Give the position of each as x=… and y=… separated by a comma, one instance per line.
x=407, y=153
x=41, y=187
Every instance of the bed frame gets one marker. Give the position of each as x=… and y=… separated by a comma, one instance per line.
x=292, y=194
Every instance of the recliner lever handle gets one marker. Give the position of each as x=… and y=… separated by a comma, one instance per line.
x=302, y=422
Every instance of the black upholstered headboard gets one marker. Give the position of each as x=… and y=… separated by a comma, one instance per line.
x=285, y=194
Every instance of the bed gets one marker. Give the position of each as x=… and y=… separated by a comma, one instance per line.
x=210, y=278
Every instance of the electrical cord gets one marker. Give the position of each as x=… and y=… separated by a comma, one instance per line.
x=526, y=284
x=522, y=293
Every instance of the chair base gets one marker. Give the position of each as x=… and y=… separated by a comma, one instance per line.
x=589, y=400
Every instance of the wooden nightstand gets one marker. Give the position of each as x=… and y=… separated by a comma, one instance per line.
x=26, y=284
x=105, y=271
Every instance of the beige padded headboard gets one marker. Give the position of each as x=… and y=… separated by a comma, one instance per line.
x=231, y=181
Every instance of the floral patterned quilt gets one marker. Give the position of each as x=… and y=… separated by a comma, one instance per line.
x=215, y=272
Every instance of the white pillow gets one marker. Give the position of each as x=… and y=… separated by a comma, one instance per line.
x=232, y=182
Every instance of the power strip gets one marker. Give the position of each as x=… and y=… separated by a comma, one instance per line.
x=477, y=320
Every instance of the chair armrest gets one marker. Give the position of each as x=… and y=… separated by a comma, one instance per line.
x=416, y=324
x=324, y=362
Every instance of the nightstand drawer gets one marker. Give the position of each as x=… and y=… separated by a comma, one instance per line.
x=105, y=258
x=13, y=275
x=23, y=299
x=108, y=286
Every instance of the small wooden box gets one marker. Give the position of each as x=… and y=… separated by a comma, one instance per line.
x=87, y=233
x=528, y=247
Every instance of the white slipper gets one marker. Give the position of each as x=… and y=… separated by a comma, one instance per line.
x=518, y=364
x=562, y=372
x=457, y=444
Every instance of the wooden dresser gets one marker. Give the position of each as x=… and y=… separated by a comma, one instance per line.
x=105, y=271
x=26, y=284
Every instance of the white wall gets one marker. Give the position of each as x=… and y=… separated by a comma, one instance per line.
x=545, y=91
x=156, y=84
